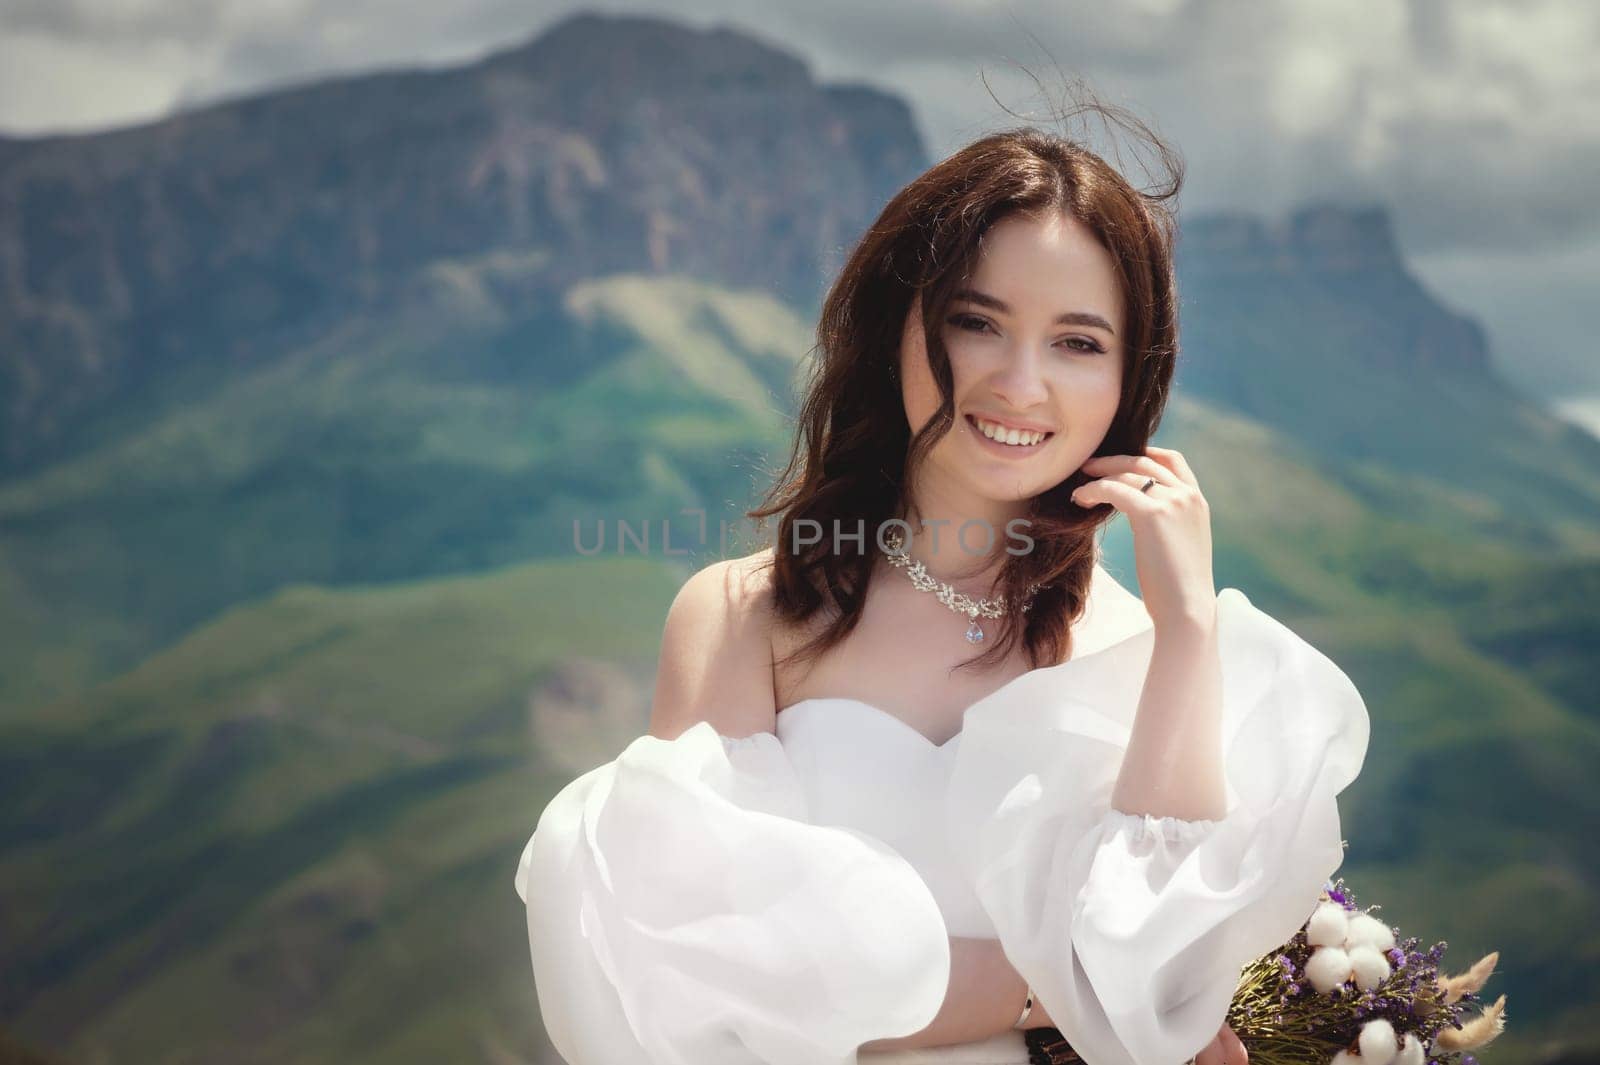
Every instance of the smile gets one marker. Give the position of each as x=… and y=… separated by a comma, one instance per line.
x=1016, y=440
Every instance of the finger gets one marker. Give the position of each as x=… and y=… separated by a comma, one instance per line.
x=1103, y=465
x=1174, y=461
x=1120, y=494
x=1137, y=479
x=1233, y=1047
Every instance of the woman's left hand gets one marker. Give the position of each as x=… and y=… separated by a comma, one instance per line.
x=1225, y=1049
x=1171, y=531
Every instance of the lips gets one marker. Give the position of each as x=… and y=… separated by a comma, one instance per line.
x=1010, y=423
x=973, y=421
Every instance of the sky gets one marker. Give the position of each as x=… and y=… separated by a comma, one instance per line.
x=1476, y=122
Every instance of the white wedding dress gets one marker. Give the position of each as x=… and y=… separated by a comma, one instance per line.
x=783, y=899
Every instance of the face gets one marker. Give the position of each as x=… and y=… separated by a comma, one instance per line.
x=1020, y=368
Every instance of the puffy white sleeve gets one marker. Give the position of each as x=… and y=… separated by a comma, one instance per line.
x=682, y=909
x=1133, y=929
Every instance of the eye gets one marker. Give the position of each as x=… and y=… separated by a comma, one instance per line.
x=974, y=324
x=970, y=322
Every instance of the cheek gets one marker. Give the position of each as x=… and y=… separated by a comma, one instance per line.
x=1093, y=409
x=1108, y=386
x=1094, y=385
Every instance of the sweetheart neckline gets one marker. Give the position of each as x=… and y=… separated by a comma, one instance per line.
x=881, y=712
x=1145, y=625
x=974, y=705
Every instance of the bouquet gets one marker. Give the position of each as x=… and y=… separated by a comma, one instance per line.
x=1343, y=992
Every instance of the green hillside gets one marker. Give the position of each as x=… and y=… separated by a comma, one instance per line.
x=465, y=432
x=306, y=812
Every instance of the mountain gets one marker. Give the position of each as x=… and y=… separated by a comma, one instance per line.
x=397, y=245
x=142, y=268
x=1315, y=325
x=302, y=395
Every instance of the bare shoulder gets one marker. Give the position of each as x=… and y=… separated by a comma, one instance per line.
x=716, y=652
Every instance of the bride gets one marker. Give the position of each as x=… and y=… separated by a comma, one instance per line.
x=922, y=781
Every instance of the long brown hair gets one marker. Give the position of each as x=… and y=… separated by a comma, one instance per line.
x=853, y=452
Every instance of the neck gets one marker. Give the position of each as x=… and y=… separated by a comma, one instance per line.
x=958, y=559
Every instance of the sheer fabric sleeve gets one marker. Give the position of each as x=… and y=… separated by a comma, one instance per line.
x=682, y=909
x=1132, y=928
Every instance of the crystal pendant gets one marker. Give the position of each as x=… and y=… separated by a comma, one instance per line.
x=974, y=632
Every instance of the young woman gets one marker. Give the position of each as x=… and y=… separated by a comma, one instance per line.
x=848, y=838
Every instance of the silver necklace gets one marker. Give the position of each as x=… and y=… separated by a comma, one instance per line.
x=961, y=604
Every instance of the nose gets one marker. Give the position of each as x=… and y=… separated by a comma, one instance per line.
x=1019, y=382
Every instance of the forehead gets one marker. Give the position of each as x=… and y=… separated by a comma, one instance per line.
x=1036, y=263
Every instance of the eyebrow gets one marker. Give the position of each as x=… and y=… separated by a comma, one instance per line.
x=983, y=299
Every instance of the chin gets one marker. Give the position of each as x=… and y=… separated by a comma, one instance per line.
x=990, y=490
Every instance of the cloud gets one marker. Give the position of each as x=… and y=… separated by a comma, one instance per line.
x=120, y=22
x=1476, y=119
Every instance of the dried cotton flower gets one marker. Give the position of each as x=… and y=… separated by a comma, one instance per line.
x=1365, y=928
x=1378, y=1042
x=1327, y=968
x=1371, y=967
x=1327, y=925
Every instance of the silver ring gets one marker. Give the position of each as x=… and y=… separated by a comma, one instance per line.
x=1147, y=485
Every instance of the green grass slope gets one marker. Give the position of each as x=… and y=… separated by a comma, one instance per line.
x=305, y=815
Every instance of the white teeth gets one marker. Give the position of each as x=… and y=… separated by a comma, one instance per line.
x=1008, y=436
